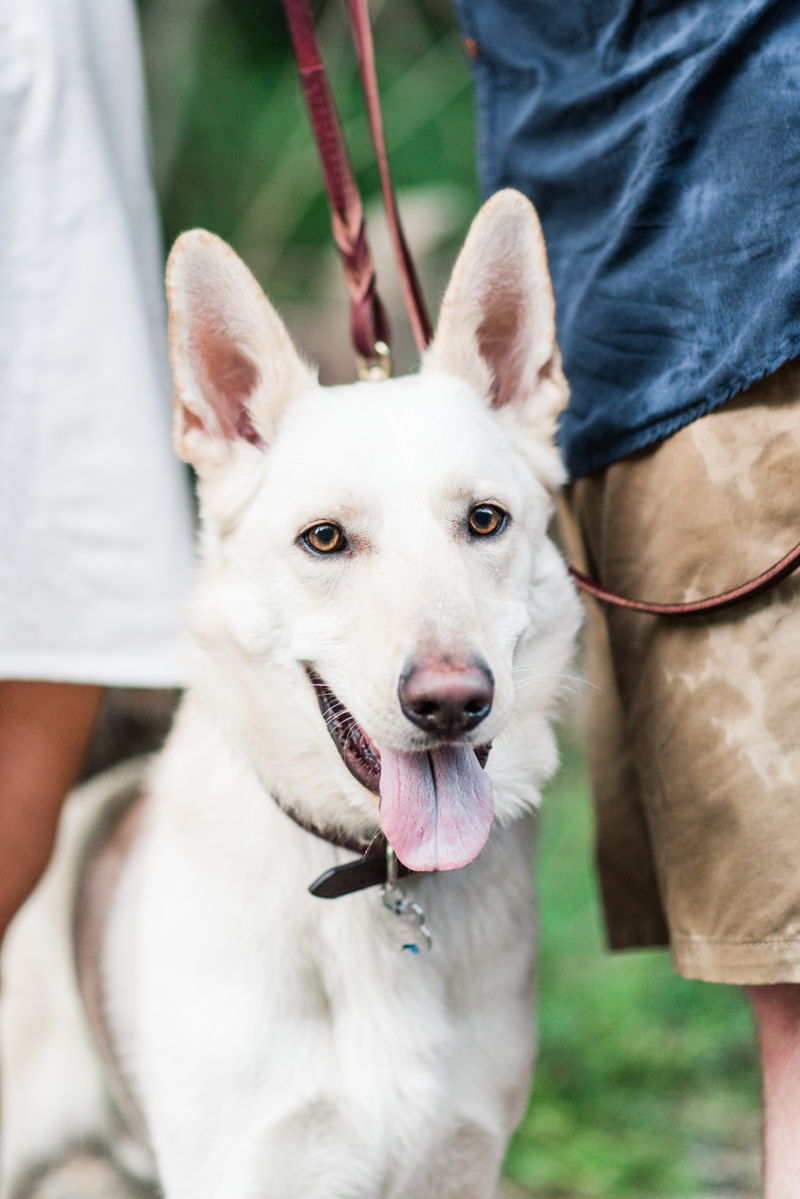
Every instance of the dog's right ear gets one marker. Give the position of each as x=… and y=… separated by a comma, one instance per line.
x=234, y=365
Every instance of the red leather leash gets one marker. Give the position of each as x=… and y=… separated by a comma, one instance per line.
x=712, y=603
x=412, y=291
x=368, y=324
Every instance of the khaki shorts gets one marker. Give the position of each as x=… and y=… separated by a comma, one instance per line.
x=694, y=723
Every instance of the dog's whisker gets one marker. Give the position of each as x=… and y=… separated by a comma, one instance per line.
x=574, y=678
x=519, y=686
x=560, y=687
x=376, y=838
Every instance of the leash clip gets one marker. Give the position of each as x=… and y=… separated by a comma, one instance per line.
x=397, y=902
x=377, y=368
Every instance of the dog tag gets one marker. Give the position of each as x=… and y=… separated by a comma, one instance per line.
x=395, y=900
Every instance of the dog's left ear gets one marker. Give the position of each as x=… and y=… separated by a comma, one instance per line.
x=497, y=327
x=234, y=365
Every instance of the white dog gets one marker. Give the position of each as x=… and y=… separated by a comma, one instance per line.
x=377, y=605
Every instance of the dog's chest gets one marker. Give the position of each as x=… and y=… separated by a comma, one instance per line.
x=264, y=1018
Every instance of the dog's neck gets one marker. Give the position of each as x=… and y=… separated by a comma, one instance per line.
x=372, y=869
x=198, y=725
x=337, y=837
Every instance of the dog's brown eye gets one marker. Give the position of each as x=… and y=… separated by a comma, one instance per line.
x=486, y=519
x=325, y=539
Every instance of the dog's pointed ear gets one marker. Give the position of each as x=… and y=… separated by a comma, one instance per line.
x=233, y=363
x=497, y=327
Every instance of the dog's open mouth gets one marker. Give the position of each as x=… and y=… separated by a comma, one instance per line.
x=436, y=807
x=358, y=753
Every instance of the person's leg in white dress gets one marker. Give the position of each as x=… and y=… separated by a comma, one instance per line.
x=95, y=529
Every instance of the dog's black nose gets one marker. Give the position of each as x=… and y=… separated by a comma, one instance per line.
x=446, y=699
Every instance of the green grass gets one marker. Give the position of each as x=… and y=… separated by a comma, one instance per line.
x=646, y=1084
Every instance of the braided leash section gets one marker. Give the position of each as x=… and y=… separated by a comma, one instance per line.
x=368, y=322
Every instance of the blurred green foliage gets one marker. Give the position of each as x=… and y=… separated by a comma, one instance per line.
x=234, y=151
x=646, y=1084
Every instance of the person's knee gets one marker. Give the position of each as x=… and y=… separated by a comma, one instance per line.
x=45, y=731
x=777, y=1007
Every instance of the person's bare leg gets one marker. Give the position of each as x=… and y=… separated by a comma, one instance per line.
x=45, y=730
x=777, y=1010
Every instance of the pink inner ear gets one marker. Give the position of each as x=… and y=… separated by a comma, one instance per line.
x=228, y=378
x=498, y=341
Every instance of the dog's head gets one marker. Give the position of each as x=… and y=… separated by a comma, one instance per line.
x=375, y=555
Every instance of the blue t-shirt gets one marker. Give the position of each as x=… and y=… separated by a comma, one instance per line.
x=660, y=143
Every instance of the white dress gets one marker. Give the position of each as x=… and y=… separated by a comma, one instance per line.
x=95, y=529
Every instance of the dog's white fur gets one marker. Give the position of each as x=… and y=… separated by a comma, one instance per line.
x=281, y=1045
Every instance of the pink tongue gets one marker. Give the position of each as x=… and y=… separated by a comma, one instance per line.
x=436, y=807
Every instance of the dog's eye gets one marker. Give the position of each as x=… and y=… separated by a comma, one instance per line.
x=486, y=519
x=326, y=538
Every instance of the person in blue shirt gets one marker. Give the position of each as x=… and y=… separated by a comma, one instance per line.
x=660, y=143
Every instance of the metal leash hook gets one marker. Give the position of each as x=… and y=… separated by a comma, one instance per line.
x=375, y=370
x=397, y=902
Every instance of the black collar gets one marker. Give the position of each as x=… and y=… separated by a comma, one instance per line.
x=369, y=871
